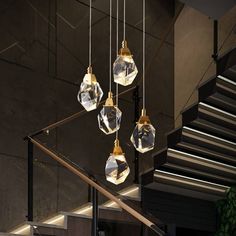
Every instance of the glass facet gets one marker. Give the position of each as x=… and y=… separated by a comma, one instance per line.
x=143, y=137
x=124, y=70
x=109, y=119
x=90, y=93
x=116, y=169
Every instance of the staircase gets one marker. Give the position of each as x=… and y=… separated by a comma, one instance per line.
x=199, y=162
x=78, y=221
x=195, y=170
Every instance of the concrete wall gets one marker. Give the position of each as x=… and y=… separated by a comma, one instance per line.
x=31, y=97
x=193, y=50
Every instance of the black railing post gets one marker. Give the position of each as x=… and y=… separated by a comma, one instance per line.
x=30, y=181
x=95, y=212
x=215, y=40
x=136, y=99
x=89, y=193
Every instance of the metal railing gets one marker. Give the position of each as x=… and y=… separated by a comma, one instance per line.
x=91, y=181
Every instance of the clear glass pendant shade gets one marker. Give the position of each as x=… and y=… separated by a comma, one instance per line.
x=109, y=118
x=124, y=68
x=117, y=169
x=90, y=93
x=143, y=136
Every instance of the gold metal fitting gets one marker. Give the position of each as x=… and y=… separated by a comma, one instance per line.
x=109, y=100
x=89, y=70
x=144, y=119
x=90, y=77
x=124, y=51
x=117, y=149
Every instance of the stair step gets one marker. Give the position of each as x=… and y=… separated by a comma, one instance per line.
x=226, y=86
x=230, y=73
x=206, y=153
x=208, y=141
x=222, y=102
x=219, y=92
x=28, y=228
x=205, y=117
x=195, y=166
x=183, y=185
x=214, y=129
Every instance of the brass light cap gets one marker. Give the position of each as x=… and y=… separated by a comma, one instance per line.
x=124, y=51
x=90, y=77
x=144, y=119
x=109, y=100
x=117, y=149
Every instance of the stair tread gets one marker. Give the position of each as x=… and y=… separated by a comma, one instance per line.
x=213, y=128
x=212, y=142
x=213, y=155
x=184, y=183
x=194, y=165
x=222, y=102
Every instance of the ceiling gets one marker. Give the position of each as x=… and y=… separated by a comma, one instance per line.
x=212, y=8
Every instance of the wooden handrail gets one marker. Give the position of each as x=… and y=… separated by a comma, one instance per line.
x=99, y=188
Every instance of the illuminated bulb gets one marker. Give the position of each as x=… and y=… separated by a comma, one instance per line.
x=124, y=68
x=90, y=93
x=143, y=136
x=116, y=169
x=109, y=117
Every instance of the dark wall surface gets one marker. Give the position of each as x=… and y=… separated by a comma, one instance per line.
x=31, y=97
x=183, y=212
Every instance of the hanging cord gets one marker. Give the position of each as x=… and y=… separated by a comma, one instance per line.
x=90, y=32
x=144, y=41
x=110, y=68
x=124, y=19
x=117, y=51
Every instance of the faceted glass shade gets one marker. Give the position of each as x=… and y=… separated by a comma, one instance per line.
x=143, y=137
x=116, y=169
x=109, y=119
x=124, y=70
x=90, y=93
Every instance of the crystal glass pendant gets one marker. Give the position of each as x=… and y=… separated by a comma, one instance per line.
x=90, y=93
x=109, y=118
x=124, y=68
x=143, y=136
x=117, y=169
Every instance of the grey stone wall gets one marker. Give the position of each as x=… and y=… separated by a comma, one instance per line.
x=31, y=97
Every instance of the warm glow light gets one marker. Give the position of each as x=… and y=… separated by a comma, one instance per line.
x=143, y=136
x=54, y=220
x=90, y=93
x=21, y=230
x=117, y=169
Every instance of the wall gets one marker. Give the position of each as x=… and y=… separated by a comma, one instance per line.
x=33, y=97
x=193, y=50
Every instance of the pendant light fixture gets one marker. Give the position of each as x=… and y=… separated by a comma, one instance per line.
x=109, y=118
x=143, y=136
x=90, y=93
x=117, y=169
x=124, y=68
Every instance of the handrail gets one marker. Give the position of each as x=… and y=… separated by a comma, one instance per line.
x=99, y=188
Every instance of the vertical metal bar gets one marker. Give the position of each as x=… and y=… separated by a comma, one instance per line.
x=89, y=193
x=49, y=33
x=30, y=181
x=56, y=33
x=215, y=40
x=95, y=212
x=136, y=99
